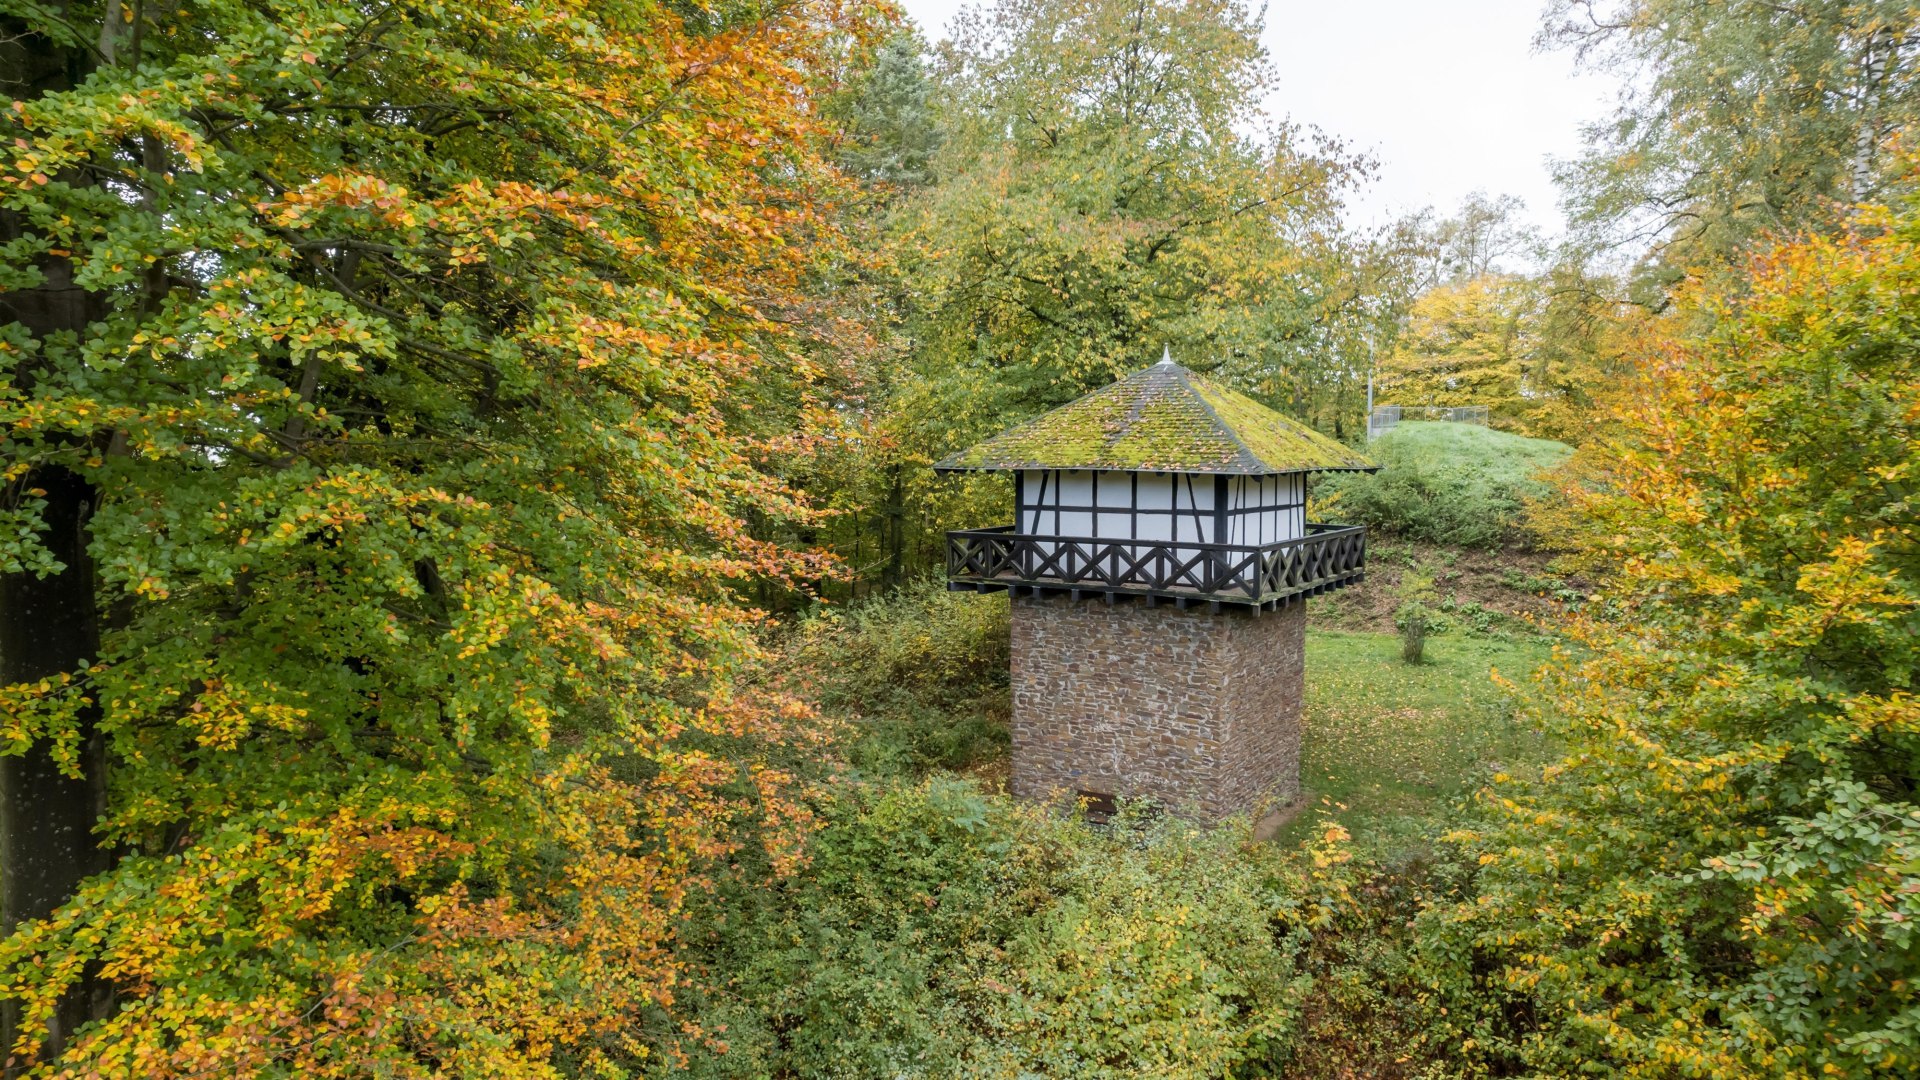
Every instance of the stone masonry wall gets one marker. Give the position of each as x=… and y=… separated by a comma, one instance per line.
x=1199, y=711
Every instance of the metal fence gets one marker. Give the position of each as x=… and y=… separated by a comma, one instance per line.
x=1385, y=417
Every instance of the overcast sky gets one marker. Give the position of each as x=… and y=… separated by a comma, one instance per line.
x=1448, y=95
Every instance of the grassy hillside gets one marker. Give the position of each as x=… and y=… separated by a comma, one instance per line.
x=1495, y=457
x=1445, y=483
x=1387, y=747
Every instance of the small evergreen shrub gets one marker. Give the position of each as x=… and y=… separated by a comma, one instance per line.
x=1413, y=620
x=1415, y=617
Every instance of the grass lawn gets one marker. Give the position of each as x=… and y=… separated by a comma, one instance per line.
x=1389, y=746
x=1495, y=458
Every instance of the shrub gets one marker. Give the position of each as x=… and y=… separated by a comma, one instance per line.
x=1415, y=617
x=922, y=672
x=1413, y=620
x=1447, y=483
x=941, y=932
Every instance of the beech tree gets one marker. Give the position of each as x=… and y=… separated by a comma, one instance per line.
x=1108, y=187
x=374, y=491
x=1466, y=343
x=49, y=625
x=1544, y=353
x=1721, y=877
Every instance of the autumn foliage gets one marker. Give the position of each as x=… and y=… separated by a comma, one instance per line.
x=421, y=496
x=1722, y=876
x=448, y=374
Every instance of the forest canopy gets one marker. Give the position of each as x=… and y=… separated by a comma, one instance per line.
x=469, y=548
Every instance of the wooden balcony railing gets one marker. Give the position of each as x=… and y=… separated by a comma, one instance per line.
x=1328, y=557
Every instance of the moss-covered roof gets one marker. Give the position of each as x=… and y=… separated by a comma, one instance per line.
x=1163, y=419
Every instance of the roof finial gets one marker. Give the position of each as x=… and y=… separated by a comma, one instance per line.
x=1166, y=354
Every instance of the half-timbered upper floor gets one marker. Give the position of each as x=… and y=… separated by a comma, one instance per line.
x=1164, y=485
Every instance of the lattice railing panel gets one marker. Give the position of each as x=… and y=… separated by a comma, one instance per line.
x=1329, y=556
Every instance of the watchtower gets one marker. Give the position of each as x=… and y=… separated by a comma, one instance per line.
x=1159, y=561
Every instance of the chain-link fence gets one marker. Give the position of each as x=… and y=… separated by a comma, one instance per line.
x=1386, y=416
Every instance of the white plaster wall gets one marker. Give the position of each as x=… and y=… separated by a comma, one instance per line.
x=1029, y=520
x=1091, y=504
x=1156, y=491
x=1249, y=519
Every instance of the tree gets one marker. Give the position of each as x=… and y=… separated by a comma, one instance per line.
x=1740, y=119
x=887, y=116
x=1722, y=875
x=1542, y=352
x=400, y=440
x=1481, y=235
x=891, y=136
x=49, y=626
x=1108, y=189
x=1104, y=187
x=1466, y=343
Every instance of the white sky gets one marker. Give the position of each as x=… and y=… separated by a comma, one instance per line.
x=1448, y=95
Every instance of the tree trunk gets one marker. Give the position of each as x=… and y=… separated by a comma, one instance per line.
x=1875, y=55
x=894, y=529
x=48, y=625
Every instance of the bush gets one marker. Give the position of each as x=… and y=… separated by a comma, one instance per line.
x=1447, y=483
x=922, y=672
x=1415, y=617
x=941, y=932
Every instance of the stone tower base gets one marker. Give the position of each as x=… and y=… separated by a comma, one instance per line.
x=1195, y=710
